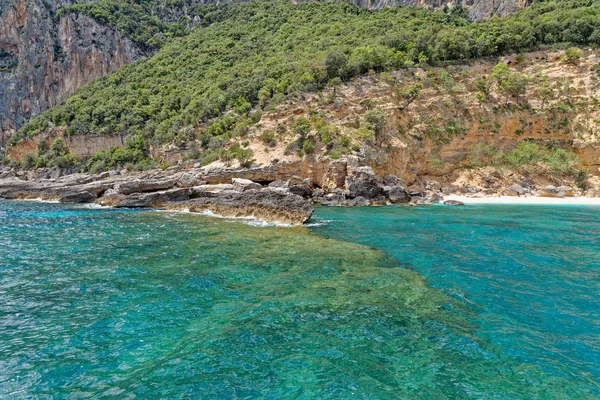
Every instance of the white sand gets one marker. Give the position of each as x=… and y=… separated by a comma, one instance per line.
x=525, y=200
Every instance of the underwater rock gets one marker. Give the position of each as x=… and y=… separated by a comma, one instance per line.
x=454, y=203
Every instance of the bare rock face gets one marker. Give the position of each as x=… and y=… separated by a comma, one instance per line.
x=43, y=60
x=363, y=183
x=398, y=194
x=553, y=191
x=241, y=185
x=154, y=189
x=265, y=204
x=514, y=190
x=477, y=9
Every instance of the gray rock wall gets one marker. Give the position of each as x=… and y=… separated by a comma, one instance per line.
x=44, y=59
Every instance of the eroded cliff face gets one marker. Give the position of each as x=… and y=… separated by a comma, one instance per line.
x=44, y=59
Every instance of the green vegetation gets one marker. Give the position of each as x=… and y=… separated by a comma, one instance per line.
x=527, y=157
x=57, y=155
x=132, y=19
x=133, y=156
x=268, y=137
x=267, y=52
x=572, y=55
x=510, y=83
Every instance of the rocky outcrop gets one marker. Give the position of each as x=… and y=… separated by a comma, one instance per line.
x=363, y=183
x=171, y=189
x=44, y=59
x=271, y=205
x=553, y=191
x=454, y=203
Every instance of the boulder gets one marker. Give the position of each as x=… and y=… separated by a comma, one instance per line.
x=187, y=180
x=549, y=191
x=433, y=186
x=449, y=189
x=332, y=199
x=156, y=184
x=358, y=201
x=398, y=194
x=128, y=187
x=415, y=192
x=363, y=183
x=318, y=193
x=241, y=185
x=335, y=175
x=564, y=191
x=392, y=180
x=469, y=189
x=280, y=184
x=301, y=190
x=454, y=203
x=514, y=191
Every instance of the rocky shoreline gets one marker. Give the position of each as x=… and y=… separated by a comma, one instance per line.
x=269, y=195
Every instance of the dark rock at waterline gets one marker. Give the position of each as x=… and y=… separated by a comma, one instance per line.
x=358, y=201
x=398, y=194
x=392, y=180
x=454, y=203
x=144, y=199
x=264, y=204
x=363, y=183
x=301, y=190
x=332, y=199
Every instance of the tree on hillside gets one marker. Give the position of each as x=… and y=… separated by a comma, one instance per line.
x=510, y=83
x=544, y=91
x=409, y=94
x=335, y=64
x=483, y=84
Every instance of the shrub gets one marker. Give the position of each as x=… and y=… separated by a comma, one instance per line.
x=527, y=157
x=268, y=137
x=375, y=120
x=367, y=103
x=572, y=55
x=301, y=126
x=308, y=147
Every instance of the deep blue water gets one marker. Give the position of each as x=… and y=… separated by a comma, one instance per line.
x=392, y=302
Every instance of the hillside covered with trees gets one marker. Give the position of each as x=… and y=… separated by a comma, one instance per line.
x=211, y=84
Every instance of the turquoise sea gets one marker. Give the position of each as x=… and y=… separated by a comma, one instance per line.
x=481, y=302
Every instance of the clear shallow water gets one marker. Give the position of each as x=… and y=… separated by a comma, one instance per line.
x=390, y=302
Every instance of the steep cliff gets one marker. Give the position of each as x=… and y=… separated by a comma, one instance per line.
x=45, y=58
